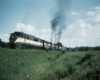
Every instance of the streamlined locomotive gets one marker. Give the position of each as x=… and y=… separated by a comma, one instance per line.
x=21, y=40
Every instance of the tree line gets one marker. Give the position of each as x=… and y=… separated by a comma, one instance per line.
x=4, y=44
x=89, y=48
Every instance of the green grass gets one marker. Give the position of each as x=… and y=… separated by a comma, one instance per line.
x=49, y=65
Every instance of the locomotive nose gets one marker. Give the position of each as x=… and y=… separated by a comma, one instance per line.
x=12, y=40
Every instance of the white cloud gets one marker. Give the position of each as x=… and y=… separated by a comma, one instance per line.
x=91, y=13
x=83, y=23
x=46, y=30
x=29, y=29
x=86, y=32
x=97, y=7
x=94, y=15
x=4, y=37
x=82, y=37
x=74, y=13
x=70, y=26
x=43, y=30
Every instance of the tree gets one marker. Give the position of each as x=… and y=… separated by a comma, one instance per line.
x=81, y=49
x=97, y=48
x=86, y=49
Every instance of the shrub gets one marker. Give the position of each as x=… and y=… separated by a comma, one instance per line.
x=86, y=48
x=58, y=56
x=49, y=58
x=97, y=48
x=63, y=52
x=47, y=50
x=85, y=57
x=81, y=49
x=22, y=64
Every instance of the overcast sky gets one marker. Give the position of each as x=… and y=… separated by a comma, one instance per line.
x=34, y=17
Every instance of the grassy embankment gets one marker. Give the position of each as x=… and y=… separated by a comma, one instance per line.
x=49, y=65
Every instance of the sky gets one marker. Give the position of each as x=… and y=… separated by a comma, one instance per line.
x=34, y=17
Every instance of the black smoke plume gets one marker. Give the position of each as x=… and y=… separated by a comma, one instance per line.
x=58, y=23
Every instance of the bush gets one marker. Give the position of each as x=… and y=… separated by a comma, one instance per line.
x=85, y=57
x=51, y=49
x=97, y=48
x=81, y=49
x=86, y=48
x=63, y=52
x=49, y=58
x=47, y=50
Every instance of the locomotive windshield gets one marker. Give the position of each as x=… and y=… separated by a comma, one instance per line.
x=12, y=34
x=18, y=34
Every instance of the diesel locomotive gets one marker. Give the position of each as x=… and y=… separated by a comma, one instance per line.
x=22, y=40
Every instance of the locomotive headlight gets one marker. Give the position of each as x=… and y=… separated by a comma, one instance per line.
x=12, y=37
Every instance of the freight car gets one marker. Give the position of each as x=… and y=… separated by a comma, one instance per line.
x=21, y=40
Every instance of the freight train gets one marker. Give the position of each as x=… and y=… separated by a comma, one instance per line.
x=22, y=40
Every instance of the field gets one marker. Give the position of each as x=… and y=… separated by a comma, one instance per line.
x=27, y=64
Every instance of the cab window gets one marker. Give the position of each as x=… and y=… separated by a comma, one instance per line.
x=27, y=37
x=18, y=34
x=12, y=35
x=36, y=40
